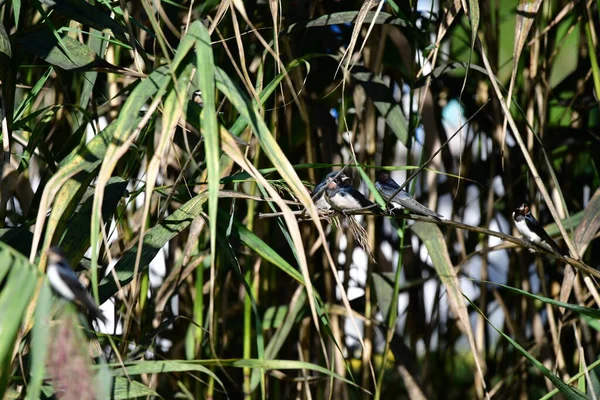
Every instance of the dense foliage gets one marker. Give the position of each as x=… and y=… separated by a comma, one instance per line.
x=189, y=217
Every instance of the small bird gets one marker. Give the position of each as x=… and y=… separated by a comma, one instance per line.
x=387, y=187
x=346, y=198
x=64, y=282
x=318, y=194
x=532, y=230
x=197, y=97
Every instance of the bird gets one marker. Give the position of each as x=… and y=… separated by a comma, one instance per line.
x=197, y=97
x=318, y=194
x=64, y=282
x=401, y=199
x=532, y=230
x=347, y=198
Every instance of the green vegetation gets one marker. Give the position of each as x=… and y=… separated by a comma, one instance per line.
x=191, y=222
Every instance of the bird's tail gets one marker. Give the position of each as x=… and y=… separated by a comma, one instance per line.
x=93, y=309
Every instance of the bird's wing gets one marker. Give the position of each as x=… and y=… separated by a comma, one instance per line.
x=366, y=203
x=530, y=219
x=411, y=204
x=68, y=276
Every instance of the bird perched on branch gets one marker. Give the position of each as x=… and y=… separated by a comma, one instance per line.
x=346, y=198
x=197, y=97
x=401, y=199
x=64, y=282
x=339, y=179
x=532, y=230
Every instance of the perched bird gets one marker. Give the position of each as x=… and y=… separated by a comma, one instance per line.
x=387, y=187
x=318, y=194
x=64, y=282
x=532, y=230
x=346, y=198
x=197, y=97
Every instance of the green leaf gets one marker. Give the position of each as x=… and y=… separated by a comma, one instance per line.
x=384, y=290
x=5, y=50
x=39, y=342
x=154, y=240
x=261, y=248
x=349, y=17
x=45, y=45
x=124, y=388
x=205, y=79
x=587, y=311
x=567, y=390
x=282, y=334
x=76, y=238
x=590, y=223
x=18, y=288
x=94, y=16
x=381, y=95
x=434, y=241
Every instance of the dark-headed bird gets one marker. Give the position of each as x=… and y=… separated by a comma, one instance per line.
x=197, y=97
x=532, y=230
x=64, y=282
x=339, y=179
x=346, y=198
x=401, y=199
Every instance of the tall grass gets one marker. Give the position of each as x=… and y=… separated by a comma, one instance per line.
x=193, y=226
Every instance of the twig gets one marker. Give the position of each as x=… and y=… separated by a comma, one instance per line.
x=418, y=171
x=453, y=224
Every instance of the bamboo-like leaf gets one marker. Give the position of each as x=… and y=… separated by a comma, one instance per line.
x=205, y=78
x=18, y=288
x=124, y=135
x=76, y=238
x=592, y=52
x=590, y=223
x=587, y=311
x=567, y=390
x=241, y=123
x=89, y=15
x=261, y=248
x=174, y=104
x=74, y=55
x=142, y=367
x=527, y=11
x=8, y=89
x=123, y=389
x=39, y=342
x=434, y=241
x=474, y=17
x=384, y=290
x=381, y=95
x=5, y=49
x=279, y=338
x=65, y=188
x=280, y=161
x=349, y=17
x=154, y=240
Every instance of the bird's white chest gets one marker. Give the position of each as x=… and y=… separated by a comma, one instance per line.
x=58, y=284
x=322, y=204
x=345, y=202
x=528, y=233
